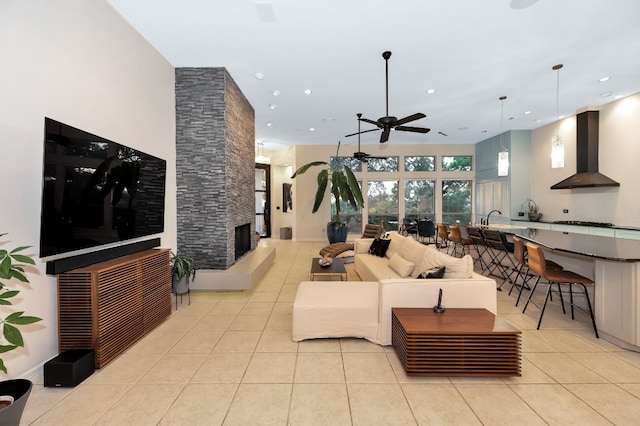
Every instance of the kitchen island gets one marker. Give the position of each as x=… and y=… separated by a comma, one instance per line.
x=615, y=270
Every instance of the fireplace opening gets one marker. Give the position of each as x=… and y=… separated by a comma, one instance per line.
x=243, y=240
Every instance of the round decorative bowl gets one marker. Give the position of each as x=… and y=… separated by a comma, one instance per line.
x=325, y=261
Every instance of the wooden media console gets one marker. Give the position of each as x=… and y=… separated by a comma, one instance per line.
x=110, y=305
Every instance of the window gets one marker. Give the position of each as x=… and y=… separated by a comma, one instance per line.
x=461, y=163
x=456, y=201
x=420, y=164
x=419, y=199
x=389, y=164
x=338, y=163
x=383, y=203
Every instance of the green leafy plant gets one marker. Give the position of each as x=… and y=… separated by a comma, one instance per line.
x=12, y=268
x=344, y=185
x=182, y=266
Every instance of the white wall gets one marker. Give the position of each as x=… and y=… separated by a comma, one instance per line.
x=80, y=63
x=619, y=150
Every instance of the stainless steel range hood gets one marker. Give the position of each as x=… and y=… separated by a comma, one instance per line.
x=587, y=175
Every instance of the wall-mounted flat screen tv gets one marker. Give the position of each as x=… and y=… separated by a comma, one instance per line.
x=96, y=191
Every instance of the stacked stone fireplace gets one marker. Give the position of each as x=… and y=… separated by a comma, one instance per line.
x=215, y=167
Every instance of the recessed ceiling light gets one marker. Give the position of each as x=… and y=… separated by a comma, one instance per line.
x=311, y=129
x=273, y=106
x=258, y=75
x=603, y=79
x=276, y=93
x=538, y=121
x=560, y=117
x=430, y=91
x=618, y=96
x=527, y=112
x=308, y=91
x=269, y=124
x=606, y=94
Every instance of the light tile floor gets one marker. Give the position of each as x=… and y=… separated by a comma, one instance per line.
x=228, y=359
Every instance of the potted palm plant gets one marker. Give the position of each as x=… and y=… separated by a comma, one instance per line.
x=13, y=393
x=344, y=188
x=183, y=269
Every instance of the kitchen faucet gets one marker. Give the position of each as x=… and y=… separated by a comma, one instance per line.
x=489, y=215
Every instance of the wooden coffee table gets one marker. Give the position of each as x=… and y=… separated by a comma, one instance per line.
x=457, y=342
x=336, y=268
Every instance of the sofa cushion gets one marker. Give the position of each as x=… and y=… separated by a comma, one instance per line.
x=396, y=242
x=413, y=251
x=379, y=247
x=455, y=267
x=402, y=266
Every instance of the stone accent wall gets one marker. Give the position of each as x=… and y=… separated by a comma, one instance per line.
x=215, y=165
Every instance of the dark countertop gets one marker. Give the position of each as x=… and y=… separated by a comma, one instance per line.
x=594, y=246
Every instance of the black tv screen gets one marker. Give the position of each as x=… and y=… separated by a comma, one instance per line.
x=96, y=191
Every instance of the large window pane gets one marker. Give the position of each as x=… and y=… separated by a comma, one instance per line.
x=389, y=164
x=456, y=163
x=352, y=217
x=383, y=203
x=420, y=164
x=419, y=199
x=456, y=202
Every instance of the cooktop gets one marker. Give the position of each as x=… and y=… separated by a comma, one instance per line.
x=584, y=223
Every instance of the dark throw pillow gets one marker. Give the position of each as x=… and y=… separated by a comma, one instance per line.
x=437, y=272
x=379, y=247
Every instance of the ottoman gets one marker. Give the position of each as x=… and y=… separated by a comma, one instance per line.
x=331, y=309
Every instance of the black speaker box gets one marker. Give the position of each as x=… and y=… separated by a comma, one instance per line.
x=69, y=368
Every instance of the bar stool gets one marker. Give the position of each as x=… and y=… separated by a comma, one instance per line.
x=443, y=236
x=559, y=277
x=455, y=236
x=477, y=240
x=519, y=254
x=500, y=251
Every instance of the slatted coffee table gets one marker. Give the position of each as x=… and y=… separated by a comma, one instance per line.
x=457, y=342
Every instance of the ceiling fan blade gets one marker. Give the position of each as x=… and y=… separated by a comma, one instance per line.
x=366, y=120
x=416, y=116
x=364, y=131
x=385, y=134
x=413, y=129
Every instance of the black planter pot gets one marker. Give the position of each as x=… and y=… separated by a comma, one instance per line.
x=19, y=389
x=337, y=232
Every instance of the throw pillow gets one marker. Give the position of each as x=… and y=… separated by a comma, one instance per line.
x=400, y=265
x=397, y=241
x=437, y=272
x=379, y=247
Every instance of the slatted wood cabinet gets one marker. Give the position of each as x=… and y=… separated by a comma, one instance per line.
x=457, y=342
x=110, y=305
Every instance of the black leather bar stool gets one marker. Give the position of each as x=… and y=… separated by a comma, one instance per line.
x=560, y=277
x=477, y=240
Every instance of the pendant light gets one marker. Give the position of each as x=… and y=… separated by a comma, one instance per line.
x=557, y=145
x=503, y=155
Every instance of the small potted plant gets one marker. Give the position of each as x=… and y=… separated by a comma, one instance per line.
x=13, y=393
x=183, y=269
x=533, y=210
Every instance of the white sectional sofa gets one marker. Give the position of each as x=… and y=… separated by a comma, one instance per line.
x=330, y=309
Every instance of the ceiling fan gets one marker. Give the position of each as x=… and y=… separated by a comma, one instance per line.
x=363, y=156
x=389, y=122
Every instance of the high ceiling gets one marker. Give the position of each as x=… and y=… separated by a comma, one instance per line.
x=470, y=52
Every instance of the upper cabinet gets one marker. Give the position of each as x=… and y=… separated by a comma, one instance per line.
x=505, y=193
